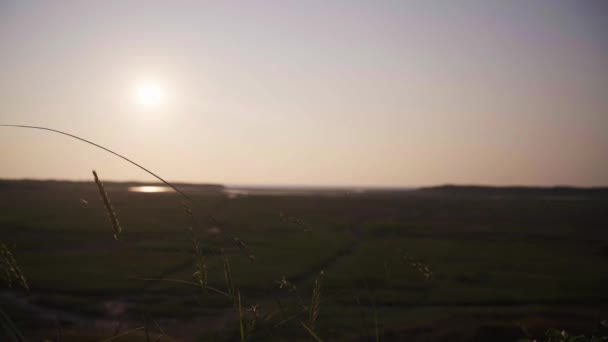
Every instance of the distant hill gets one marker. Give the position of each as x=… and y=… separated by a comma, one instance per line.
x=470, y=190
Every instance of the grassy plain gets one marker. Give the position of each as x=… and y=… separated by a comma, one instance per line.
x=501, y=260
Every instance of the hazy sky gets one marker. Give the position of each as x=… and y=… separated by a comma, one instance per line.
x=401, y=93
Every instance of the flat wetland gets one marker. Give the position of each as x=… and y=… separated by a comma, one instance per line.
x=503, y=261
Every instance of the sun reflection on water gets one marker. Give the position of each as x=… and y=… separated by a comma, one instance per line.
x=150, y=188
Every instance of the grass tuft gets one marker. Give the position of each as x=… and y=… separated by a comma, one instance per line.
x=10, y=269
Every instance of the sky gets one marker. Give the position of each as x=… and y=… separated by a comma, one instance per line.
x=329, y=93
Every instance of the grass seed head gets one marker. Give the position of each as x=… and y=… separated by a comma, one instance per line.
x=10, y=269
x=315, y=303
x=116, y=228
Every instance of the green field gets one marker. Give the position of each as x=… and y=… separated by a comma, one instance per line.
x=501, y=260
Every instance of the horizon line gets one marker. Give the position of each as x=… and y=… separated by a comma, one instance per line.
x=312, y=186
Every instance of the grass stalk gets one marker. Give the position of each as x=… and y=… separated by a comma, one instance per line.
x=228, y=278
x=116, y=228
x=128, y=332
x=315, y=302
x=9, y=329
x=241, y=325
x=105, y=149
x=311, y=332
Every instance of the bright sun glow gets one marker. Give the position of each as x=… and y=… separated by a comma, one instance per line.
x=150, y=95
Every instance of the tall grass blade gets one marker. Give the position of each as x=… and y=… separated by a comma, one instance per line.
x=228, y=277
x=311, y=332
x=9, y=329
x=315, y=303
x=105, y=149
x=116, y=228
x=241, y=325
x=200, y=259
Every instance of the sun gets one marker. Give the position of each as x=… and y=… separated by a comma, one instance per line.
x=150, y=94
